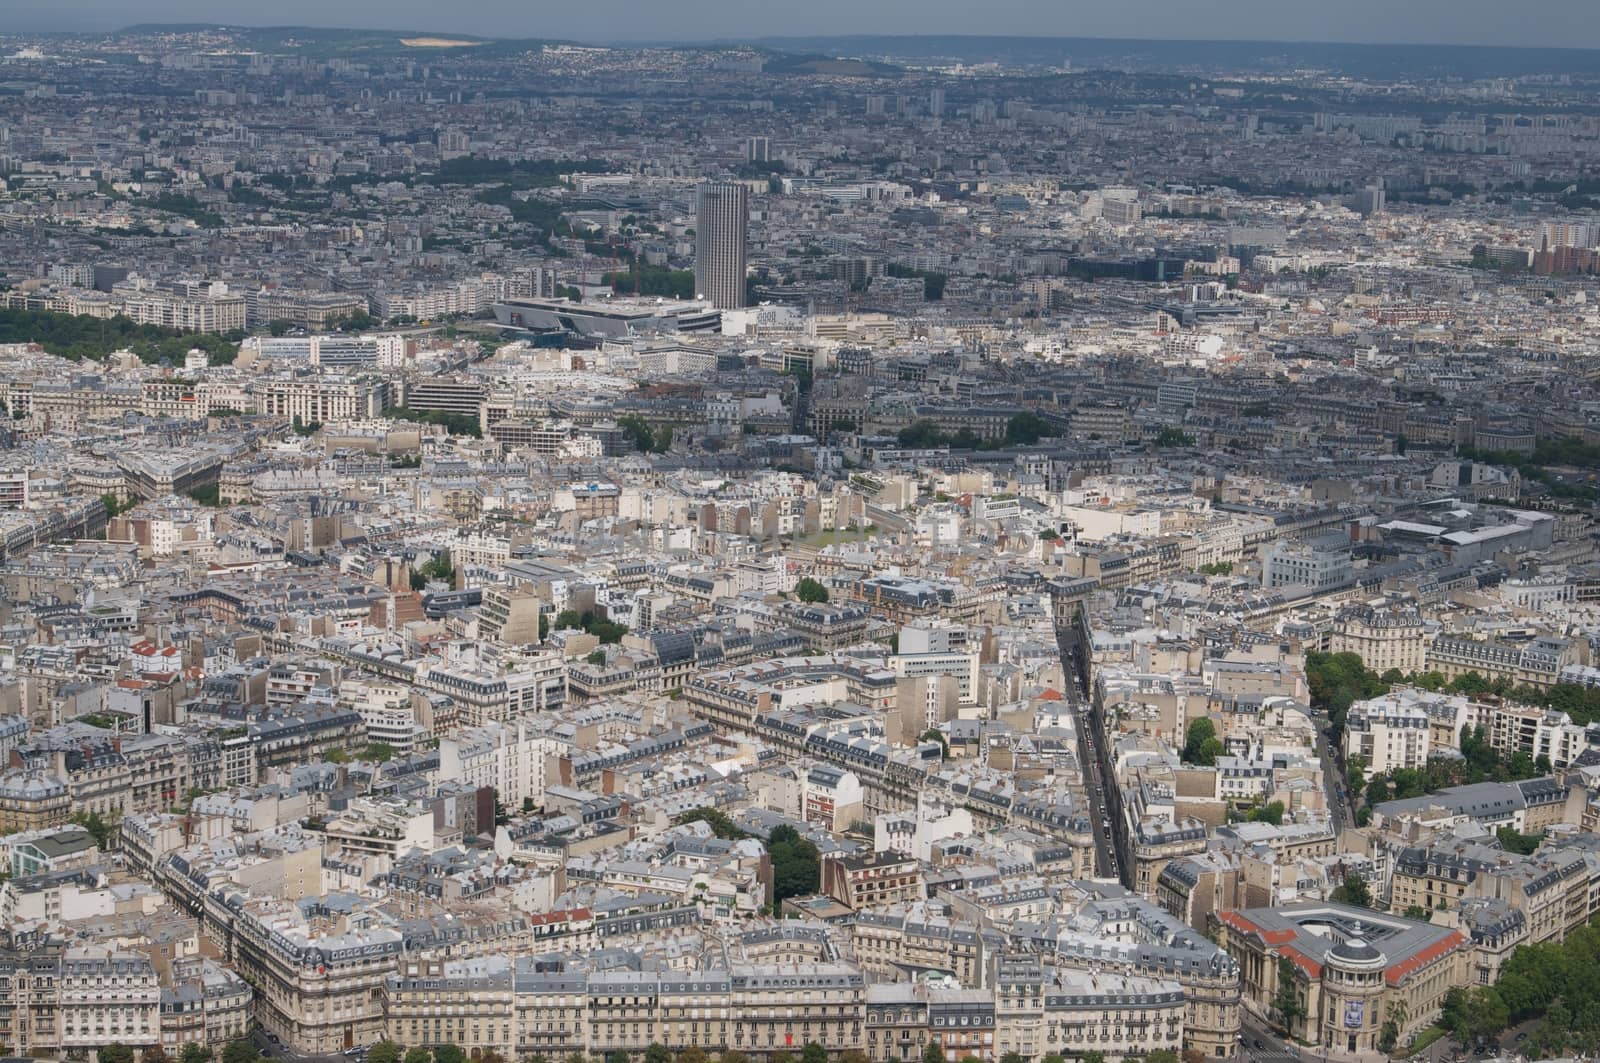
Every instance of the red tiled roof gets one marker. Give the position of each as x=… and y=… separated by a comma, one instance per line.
x=1301, y=960
x=1417, y=960
x=1244, y=926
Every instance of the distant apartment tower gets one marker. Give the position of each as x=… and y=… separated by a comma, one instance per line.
x=875, y=104
x=1369, y=201
x=758, y=149
x=1569, y=234
x=722, y=215
x=936, y=102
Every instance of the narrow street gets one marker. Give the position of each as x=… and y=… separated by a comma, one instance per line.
x=1113, y=855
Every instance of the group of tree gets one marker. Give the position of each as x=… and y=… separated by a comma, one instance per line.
x=652, y=280
x=116, y=507
x=355, y=321
x=81, y=337
x=1337, y=680
x=588, y=621
x=1352, y=889
x=932, y=280
x=1022, y=430
x=103, y=829
x=1556, y=983
x=935, y=1054
x=1271, y=812
x=1201, y=746
x=1173, y=437
x=1479, y=762
x=513, y=173
x=186, y=207
x=371, y=753
x=1287, y=1001
x=393, y=1052
x=796, y=865
x=722, y=825
x=435, y=568
x=1563, y=453
x=643, y=437
x=810, y=590
x=1217, y=568
x=457, y=424
x=240, y=1051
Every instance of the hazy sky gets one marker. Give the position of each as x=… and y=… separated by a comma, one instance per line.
x=1571, y=23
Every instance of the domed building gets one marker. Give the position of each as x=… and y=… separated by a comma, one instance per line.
x=1355, y=981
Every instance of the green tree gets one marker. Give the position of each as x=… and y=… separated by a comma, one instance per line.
x=933, y=1053
x=385, y=1051
x=1417, y=911
x=418, y=1055
x=1353, y=890
x=457, y=424
x=1162, y=1055
x=154, y=1054
x=449, y=1054
x=1514, y=841
x=1286, y=1001
x=1336, y=680
x=1026, y=428
x=1200, y=743
x=1092, y=1057
x=1489, y=1012
x=810, y=590
x=813, y=1053
x=921, y=435
x=796, y=865
x=116, y=1052
x=242, y=1050
x=657, y=1053
x=1271, y=812
x=692, y=1054
x=101, y=828
x=1013, y=1057
x=1378, y=790
x=722, y=826
x=653, y=280
x=732, y=1055
x=1453, y=1011
x=194, y=1052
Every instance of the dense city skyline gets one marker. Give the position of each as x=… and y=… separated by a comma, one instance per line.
x=833, y=548
x=1541, y=23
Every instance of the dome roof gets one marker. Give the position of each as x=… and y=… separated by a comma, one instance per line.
x=1355, y=950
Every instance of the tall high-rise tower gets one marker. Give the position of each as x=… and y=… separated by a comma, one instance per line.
x=722, y=215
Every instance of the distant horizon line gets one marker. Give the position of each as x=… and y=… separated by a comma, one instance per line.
x=777, y=38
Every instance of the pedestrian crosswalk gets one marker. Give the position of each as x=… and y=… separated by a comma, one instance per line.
x=1253, y=1056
